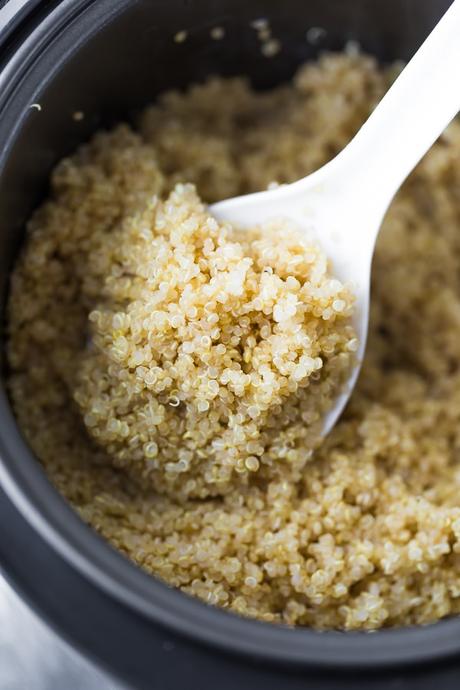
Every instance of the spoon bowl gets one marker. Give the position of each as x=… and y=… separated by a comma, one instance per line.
x=317, y=205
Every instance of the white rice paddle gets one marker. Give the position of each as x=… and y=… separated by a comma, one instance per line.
x=342, y=205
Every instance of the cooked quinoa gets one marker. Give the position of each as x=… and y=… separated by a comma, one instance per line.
x=214, y=353
x=367, y=533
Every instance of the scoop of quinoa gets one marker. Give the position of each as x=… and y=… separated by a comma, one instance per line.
x=214, y=353
x=367, y=534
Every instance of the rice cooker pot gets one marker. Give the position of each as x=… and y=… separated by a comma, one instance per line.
x=105, y=59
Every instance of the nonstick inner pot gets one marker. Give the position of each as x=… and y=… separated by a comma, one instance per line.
x=106, y=59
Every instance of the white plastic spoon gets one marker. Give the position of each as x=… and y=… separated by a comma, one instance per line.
x=343, y=203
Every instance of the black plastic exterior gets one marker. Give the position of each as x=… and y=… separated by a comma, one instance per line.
x=107, y=58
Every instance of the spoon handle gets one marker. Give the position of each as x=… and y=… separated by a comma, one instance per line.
x=414, y=112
